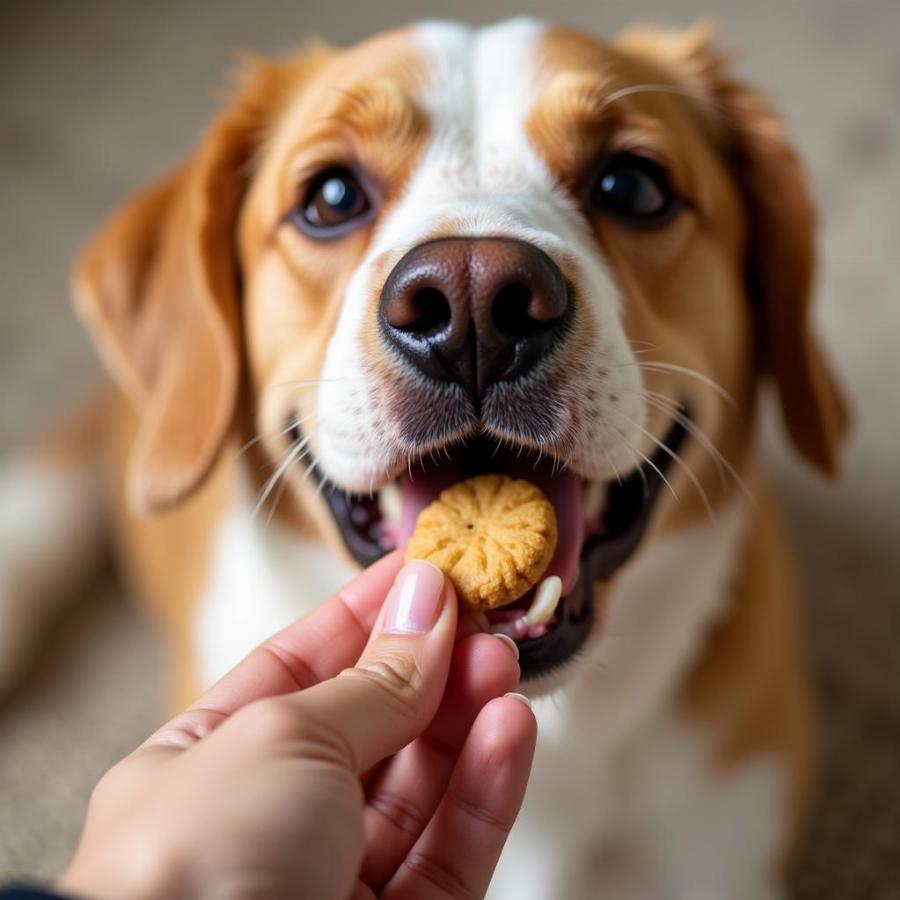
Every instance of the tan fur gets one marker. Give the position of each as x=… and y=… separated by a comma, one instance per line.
x=158, y=288
x=359, y=108
x=687, y=298
x=752, y=683
x=779, y=235
x=166, y=557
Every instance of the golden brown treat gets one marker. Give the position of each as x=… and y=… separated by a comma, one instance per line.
x=491, y=535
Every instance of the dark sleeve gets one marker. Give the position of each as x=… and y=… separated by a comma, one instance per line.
x=15, y=892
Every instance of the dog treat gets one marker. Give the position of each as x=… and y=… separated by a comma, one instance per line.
x=493, y=536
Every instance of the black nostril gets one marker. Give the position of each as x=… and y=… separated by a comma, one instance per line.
x=474, y=310
x=510, y=313
x=431, y=312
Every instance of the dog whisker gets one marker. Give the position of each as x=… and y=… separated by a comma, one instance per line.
x=647, y=345
x=276, y=500
x=679, y=462
x=292, y=455
x=659, y=366
x=671, y=407
x=309, y=470
x=652, y=88
x=294, y=423
x=306, y=382
x=307, y=452
x=638, y=456
x=319, y=488
x=613, y=466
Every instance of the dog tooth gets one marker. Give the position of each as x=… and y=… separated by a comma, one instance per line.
x=390, y=502
x=546, y=599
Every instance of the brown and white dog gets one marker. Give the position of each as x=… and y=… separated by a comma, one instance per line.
x=446, y=250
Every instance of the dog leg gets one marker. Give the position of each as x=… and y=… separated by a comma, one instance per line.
x=51, y=534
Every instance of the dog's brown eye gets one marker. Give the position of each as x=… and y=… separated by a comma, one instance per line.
x=333, y=203
x=635, y=189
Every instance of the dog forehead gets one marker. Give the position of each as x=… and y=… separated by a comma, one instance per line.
x=478, y=94
x=478, y=174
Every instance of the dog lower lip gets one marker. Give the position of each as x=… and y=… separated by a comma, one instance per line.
x=623, y=522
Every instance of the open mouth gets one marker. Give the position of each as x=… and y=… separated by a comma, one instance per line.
x=600, y=524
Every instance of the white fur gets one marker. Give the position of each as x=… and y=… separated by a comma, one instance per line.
x=262, y=577
x=49, y=537
x=624, y=800
x=480, y=176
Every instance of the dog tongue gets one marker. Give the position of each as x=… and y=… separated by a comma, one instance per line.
x=562, y=490
x=421, y=489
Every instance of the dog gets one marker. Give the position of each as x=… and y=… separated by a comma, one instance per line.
x=449, y=250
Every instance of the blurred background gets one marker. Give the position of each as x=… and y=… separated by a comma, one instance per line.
x=98, y=98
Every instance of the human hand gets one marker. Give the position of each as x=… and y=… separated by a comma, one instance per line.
x=295, y=776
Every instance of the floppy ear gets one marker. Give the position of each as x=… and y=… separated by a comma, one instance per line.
x=158, y=288
x=780, y=238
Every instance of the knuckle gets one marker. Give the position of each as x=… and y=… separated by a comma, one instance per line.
x=399, y=811
x=189, y=728
x=439, y=747
x=472, y=809
x=271, y=721
x=398, y=679
x=108, y=789
x=440, y=875
x=324, y=740
x=117, y=789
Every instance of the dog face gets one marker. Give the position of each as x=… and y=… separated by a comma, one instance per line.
x=447, y=251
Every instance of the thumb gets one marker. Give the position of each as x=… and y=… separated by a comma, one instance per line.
x=389, y=697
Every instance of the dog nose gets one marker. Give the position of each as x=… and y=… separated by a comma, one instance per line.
x=474, y=310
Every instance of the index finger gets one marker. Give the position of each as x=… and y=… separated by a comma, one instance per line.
x=310, y=650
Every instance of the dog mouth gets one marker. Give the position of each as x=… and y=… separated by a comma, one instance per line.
x=600, y=524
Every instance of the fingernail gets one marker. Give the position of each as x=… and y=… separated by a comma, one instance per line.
x=509, y=643
x=415, y=599
x=520, y=697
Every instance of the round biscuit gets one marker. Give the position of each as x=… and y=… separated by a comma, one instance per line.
x=492, y=535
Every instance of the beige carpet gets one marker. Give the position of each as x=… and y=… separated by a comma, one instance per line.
x=97, y=97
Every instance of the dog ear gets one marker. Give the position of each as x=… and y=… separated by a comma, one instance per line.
x=158, y=288
x=780, y=237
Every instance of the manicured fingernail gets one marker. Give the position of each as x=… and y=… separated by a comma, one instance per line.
x=520, y=697
x=415, y=599
x=509, y=643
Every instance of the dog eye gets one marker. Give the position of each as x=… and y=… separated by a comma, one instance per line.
x=333, y=202
x=634, y=189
